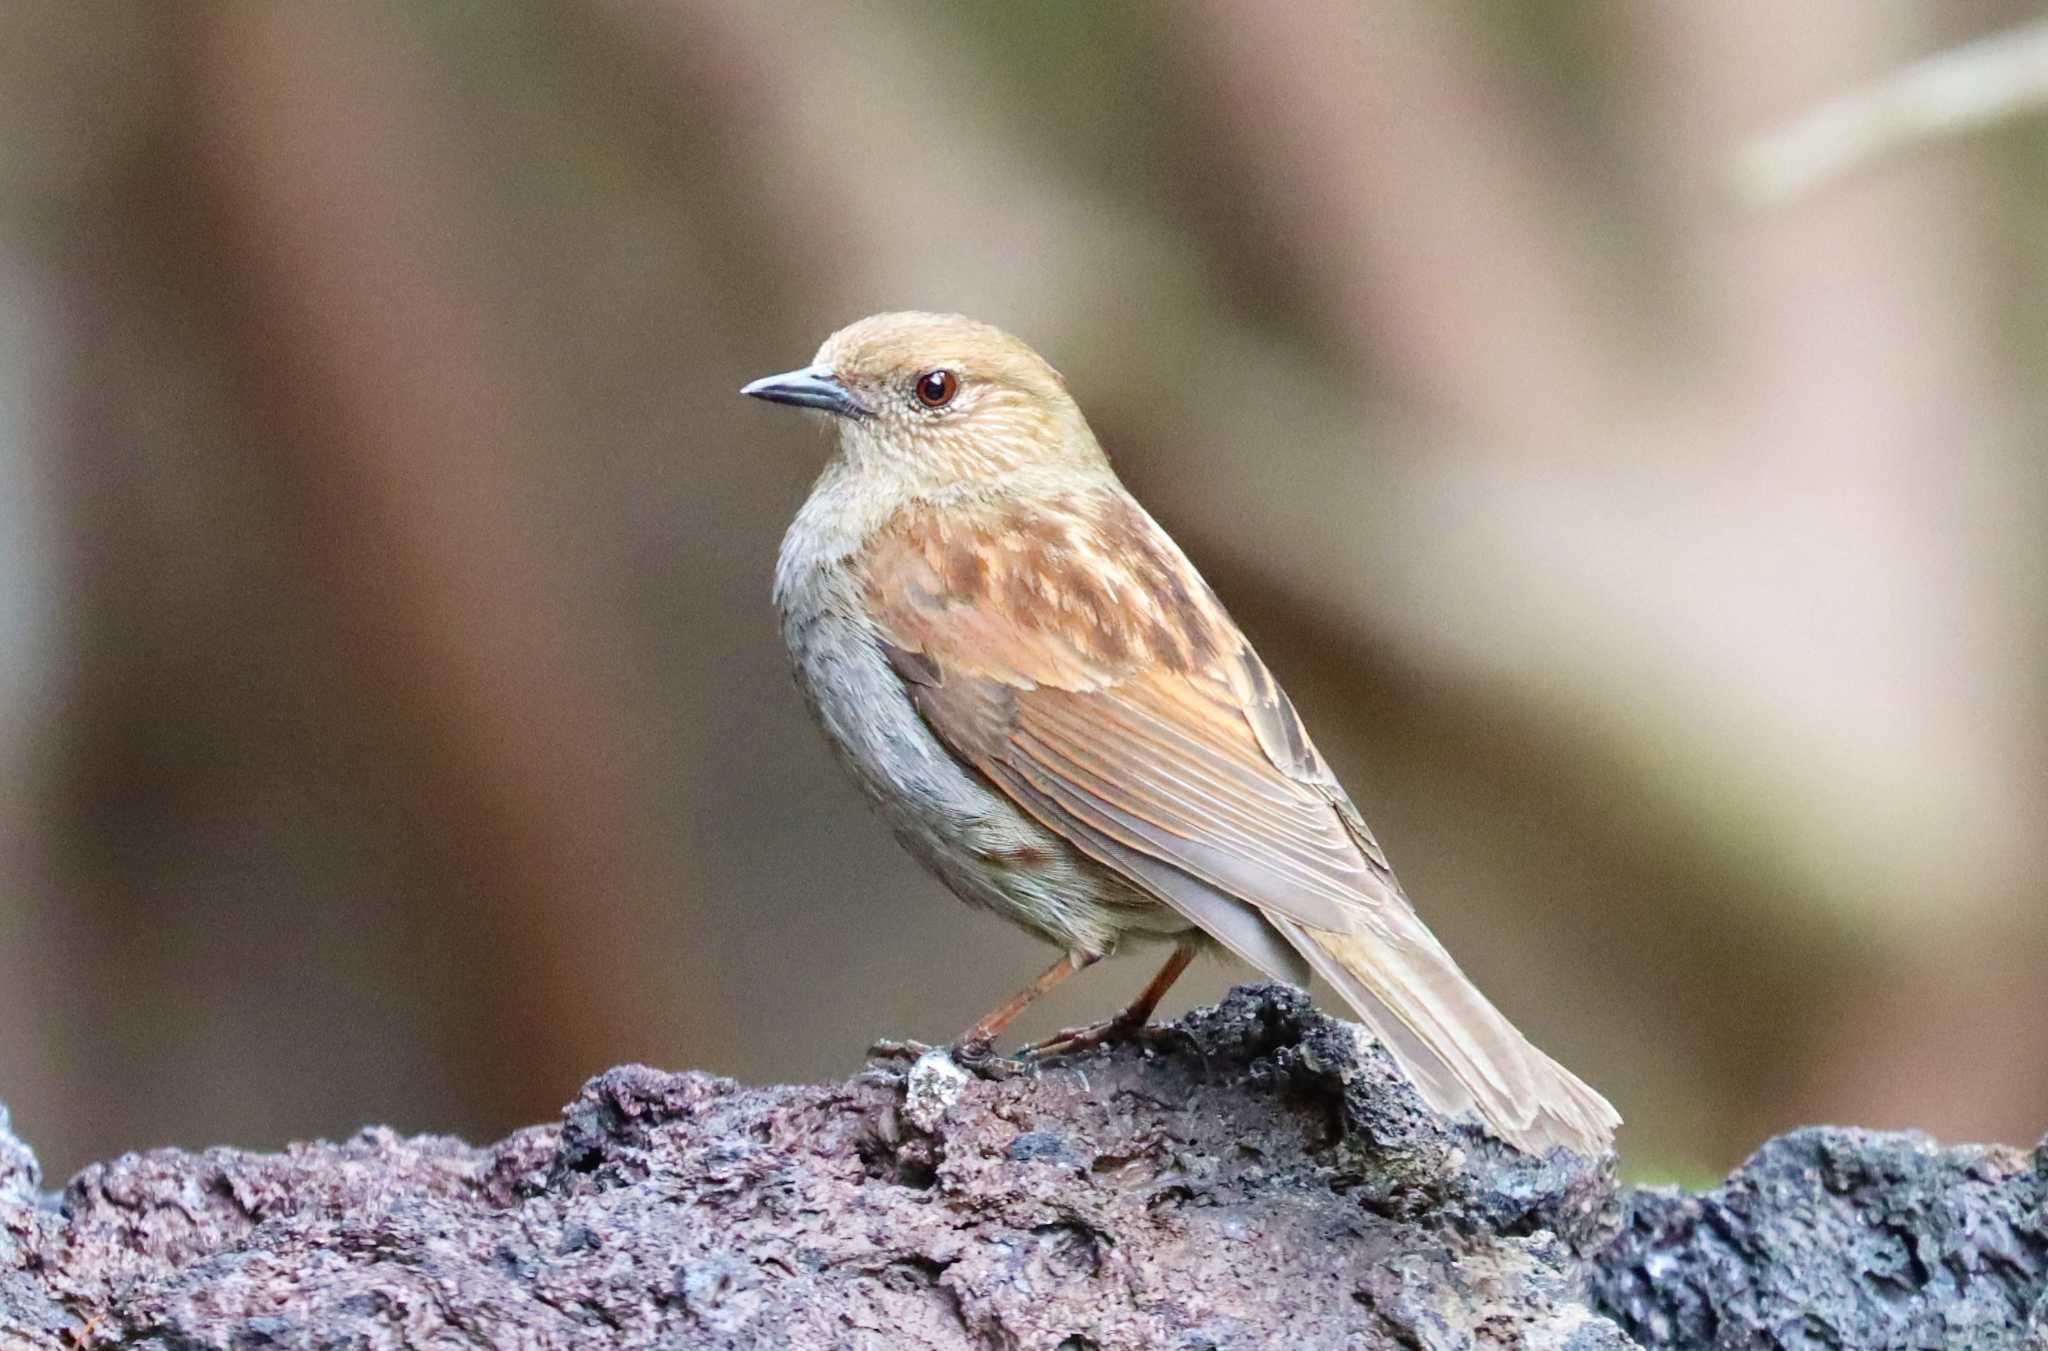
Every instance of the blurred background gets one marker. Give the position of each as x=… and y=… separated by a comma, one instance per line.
x=393, y=724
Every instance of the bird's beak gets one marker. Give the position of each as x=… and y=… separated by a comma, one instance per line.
x=812, y=387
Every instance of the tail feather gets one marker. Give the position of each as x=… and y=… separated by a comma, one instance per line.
x=1459, y=1051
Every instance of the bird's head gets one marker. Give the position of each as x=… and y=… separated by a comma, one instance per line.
x=941, y=399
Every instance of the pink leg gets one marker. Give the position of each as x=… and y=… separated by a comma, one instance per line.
x=1126, y=1023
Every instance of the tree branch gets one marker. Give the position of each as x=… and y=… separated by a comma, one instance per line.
x=1966, y=89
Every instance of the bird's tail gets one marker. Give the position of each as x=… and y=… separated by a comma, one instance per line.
x=1457, y=1049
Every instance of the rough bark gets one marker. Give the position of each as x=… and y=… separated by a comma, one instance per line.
x=1255, y=1177
x=1840, y=1238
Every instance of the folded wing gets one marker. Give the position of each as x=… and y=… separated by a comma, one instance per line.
x=1072, y=655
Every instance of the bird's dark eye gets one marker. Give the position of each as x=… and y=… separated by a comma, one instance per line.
x=935, y=389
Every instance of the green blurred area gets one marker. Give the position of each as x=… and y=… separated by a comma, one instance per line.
x=394, y=726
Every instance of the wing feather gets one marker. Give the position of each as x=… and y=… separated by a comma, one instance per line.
x=1241, y=928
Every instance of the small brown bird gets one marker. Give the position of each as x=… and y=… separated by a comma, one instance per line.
x=1054, y=713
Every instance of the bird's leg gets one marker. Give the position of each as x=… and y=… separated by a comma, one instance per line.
x=975, y=1042
x=1126, y=1024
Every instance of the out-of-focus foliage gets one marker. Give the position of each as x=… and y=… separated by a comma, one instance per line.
x=392, y=718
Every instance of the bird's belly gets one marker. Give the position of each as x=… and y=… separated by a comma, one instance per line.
x=986, y=849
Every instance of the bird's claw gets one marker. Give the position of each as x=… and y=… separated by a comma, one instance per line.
x=1105, y=1033
x=978, y=1055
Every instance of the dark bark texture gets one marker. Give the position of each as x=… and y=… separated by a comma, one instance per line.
x=1256, y=1176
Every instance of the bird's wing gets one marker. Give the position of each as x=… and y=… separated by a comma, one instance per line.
x=1071, y=654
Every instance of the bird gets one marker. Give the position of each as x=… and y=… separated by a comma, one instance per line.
x=1052, y=711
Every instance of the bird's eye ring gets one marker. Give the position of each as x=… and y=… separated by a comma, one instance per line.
x=935, y=389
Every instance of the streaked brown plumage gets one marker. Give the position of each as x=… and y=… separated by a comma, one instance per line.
x=1056, y=714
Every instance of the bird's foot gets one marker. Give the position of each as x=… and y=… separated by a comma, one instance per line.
x=978, y=1055
x=1106, y=1033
